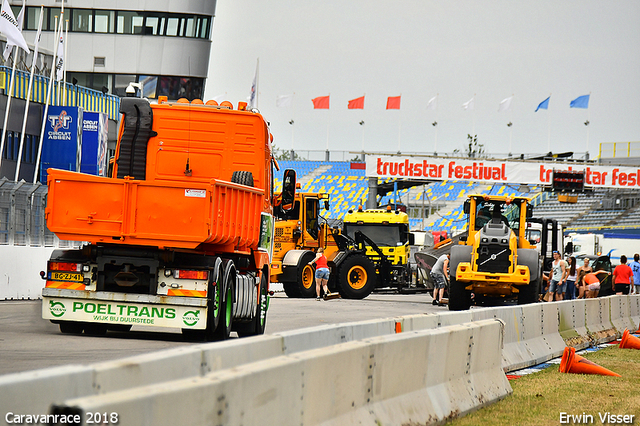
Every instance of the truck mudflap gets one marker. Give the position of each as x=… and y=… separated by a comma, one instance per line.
x=65, y=307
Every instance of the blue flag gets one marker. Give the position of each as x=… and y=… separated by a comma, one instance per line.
x=580, y=102
x=544, y=104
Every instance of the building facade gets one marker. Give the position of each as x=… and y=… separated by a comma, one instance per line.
x=163, y=45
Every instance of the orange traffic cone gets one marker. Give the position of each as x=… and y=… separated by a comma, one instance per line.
x=572, y=363
x=629, y=341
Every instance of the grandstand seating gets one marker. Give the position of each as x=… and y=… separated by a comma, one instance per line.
x=348, y=189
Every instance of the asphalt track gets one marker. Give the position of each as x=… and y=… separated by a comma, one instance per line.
x=27, y=342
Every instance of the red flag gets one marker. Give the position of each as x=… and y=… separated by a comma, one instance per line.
x=393, y=102
x=321, y=102
x=357, y=103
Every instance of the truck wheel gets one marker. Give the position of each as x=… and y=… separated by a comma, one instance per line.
x=223, y=330
x=459, y=298
x=243, y=178
x=71, y=327
x=529, y=293
x=259, y=322
x=304, y=286
x=356, y=277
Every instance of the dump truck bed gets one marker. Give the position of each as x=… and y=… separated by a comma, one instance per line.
x=154, y=213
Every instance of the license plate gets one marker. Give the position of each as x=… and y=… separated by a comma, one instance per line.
x=66, y=276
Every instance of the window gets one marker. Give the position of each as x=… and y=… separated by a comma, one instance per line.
x=82, y=20
x=149, y=84
x=151, y=25
x=204, y=28
x=129, y=23
x=172, y=26
x=32, y=17
x=121, y=82
x=104, y=21
x=54, y=16
x=190, y=27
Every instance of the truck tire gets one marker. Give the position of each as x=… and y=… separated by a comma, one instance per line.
x=356, y=277
x=223, y=330
x=304, y=285
x=243, y=178
x=459, y=298
x=71, y=327
x=529, y=293
x=259, y=322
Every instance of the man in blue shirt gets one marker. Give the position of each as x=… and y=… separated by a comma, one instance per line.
x=635, y=267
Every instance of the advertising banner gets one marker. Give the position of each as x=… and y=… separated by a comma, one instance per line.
x=126, y=313
x=497, y=171
x=62, y=142
x=94, y=143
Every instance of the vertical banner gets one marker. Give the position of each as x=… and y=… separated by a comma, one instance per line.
x=62, y=142
x=94, y=143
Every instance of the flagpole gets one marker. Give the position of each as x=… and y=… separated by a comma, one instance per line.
x=6, y=112
x=26, y=107
x=399, y=129
x=64, y=64
x=47, y=100
x=435, y=144
x=548, y=128
x=587, y=124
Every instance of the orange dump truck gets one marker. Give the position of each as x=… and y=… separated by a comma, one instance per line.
x=179, y=236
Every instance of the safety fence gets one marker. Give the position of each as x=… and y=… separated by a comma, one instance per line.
x=22, y=216
x=418, y=369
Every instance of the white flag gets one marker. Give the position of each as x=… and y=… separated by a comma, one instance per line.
x=60, y=58
x=253, y=96
x=284, y=101
x=468, y=104
x=505, y=104
x=433, y=103
x=11, y=28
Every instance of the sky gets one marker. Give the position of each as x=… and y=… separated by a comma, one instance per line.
x=418, y=49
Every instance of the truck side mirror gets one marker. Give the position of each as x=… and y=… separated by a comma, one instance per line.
x=326, y=205
x=288, y=189
x=466, y=207
x=412, y=238
x=569, y=247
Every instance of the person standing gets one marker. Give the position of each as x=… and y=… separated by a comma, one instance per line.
x=635, y=267
x=558, y=278
x=322, y=273
x=438, y=272
x=581, y=284
x=571, y=279
x=622, y=276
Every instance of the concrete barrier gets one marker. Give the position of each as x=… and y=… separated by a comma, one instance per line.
x=634, y=309
x=573, y=325
x=19, y=267
x=621, y=314
x=327, y=335
x=419, y=377
x=34, y=391
x=598, y=320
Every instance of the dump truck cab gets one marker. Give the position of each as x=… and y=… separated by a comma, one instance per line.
x=495, y=259
x=299, y=232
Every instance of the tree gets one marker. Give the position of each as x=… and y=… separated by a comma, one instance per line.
x=282, y=154
x=474, y=149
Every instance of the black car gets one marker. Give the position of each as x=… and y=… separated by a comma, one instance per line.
x=600, y=263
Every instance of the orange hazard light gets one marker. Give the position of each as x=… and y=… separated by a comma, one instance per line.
x=191, y=275
x=65, y=266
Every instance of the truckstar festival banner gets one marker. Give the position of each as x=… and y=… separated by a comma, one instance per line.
x=497, y=171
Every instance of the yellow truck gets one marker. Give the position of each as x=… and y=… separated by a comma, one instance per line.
x=370, y=251
x=495, y=259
